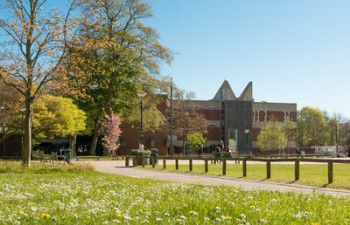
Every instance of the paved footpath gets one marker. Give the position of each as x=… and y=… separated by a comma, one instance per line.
x=117, y=167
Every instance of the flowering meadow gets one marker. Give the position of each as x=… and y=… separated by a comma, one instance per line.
x=78, y=195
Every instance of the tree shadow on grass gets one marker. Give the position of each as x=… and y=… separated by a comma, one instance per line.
x=325, y=185
x=265, y=179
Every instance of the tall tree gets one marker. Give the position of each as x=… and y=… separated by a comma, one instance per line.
x=35, y=45
x=312, y=127
x=120, y=56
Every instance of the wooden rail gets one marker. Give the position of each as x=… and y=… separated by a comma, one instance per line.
x=330, y=162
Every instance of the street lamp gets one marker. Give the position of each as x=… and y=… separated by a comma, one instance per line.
x=246, y=131
x=141, y=95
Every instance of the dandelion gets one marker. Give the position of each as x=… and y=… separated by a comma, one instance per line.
x=159, y=219
x=315, y=223
x=45, y=216
x=194, y=213
x=228, y=218
x=120, y=216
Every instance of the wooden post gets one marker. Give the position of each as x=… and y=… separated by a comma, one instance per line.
x=191, y=166
x=206, y=165
x=127, y=161
x=177, y=164
x=153, y=162
x=224, y=167
x=164, y=163
x=268, y=169
x=244, y=167
x=143, y=161
x=297, y=169
x=330, y=172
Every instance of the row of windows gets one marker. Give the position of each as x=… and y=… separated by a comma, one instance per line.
x=262, y=116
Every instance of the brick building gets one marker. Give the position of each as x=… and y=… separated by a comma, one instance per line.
x=235, y=120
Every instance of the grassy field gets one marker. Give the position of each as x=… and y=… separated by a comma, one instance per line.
x=77, y=195
x=310, y=174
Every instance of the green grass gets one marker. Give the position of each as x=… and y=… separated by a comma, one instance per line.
x=310, y=174
x=78, y=195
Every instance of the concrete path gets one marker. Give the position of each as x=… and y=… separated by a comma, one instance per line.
x=117, y=167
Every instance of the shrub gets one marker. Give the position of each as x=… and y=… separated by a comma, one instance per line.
x=135, y=152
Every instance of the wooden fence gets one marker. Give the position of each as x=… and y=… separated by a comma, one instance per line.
x=244, y=161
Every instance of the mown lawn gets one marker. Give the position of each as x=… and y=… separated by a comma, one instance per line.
x=78, y=195
x=310, y=174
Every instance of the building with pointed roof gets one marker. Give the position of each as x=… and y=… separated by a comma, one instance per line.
x=235, y=120
x=238, y=121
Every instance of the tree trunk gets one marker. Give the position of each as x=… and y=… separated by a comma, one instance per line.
x=27, y=138
x=94, y=143
x=184, y=145
x=72, y=144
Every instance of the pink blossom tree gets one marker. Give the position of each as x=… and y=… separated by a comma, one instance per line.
x=112, y=132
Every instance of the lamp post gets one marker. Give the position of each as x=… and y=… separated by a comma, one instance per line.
x=171, y=146
x=141, y=95
x=246, y=131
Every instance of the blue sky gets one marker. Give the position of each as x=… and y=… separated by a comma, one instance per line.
x=293, y=51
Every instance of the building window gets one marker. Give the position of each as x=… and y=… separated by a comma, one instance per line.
x=256, y=116
x=287, y=116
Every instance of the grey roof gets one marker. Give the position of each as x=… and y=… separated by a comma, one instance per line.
x=225, y=92
x=247, y=94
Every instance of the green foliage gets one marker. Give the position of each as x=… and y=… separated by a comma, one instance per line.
x=153, y=119
x=196, y=140
x=57, y=117
x=135, y=152
x=146, y=153
x=289, y=129
x=272, y=137
x=312, y=127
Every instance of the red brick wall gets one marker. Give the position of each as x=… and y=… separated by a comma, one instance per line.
x=213, y=134
x=131, y=137
x=261, y=116
x=210, y=114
